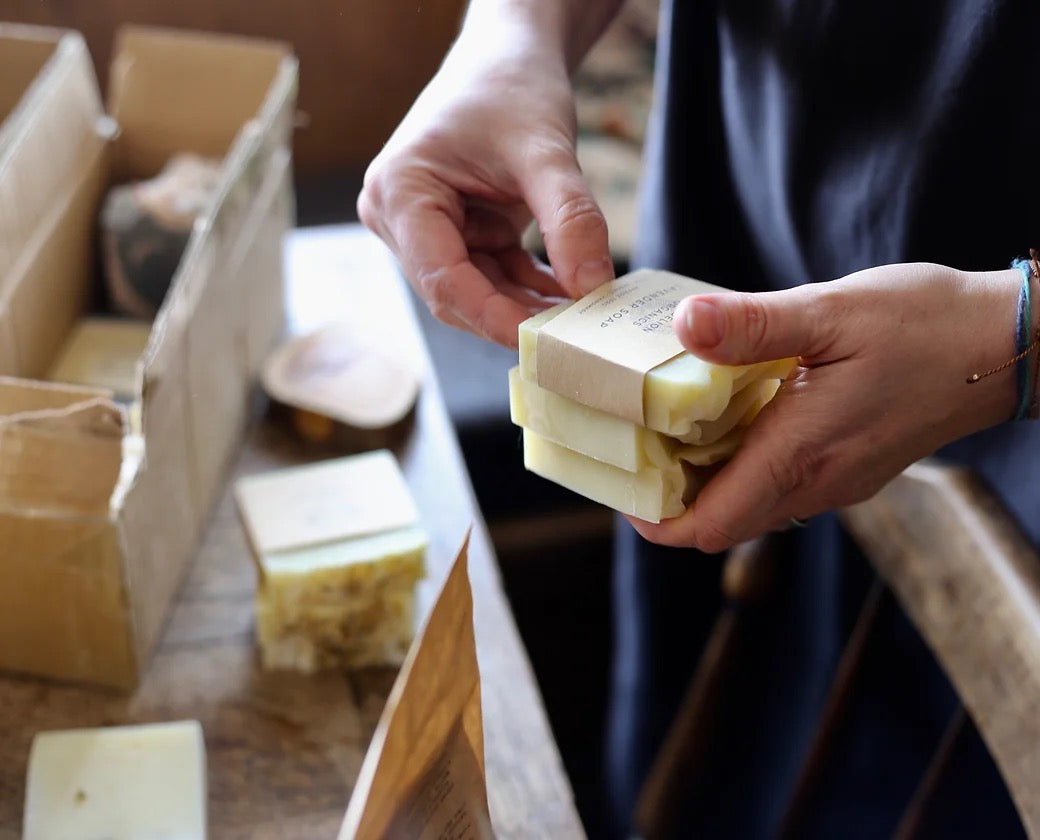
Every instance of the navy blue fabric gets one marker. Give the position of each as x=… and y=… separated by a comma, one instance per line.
x=796, y=141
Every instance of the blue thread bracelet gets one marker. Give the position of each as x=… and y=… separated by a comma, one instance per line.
x=1025, y=343
x=1024, y=366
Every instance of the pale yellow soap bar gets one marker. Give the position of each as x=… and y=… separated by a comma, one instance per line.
x=117, y=783
x=652, y=493
x=676, y=394
x=340, y=551
x=741, y=411
x=342, y=605
x=619, y=442
x=103, y=353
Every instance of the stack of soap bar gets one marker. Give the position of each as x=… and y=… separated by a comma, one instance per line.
x=339, y=550
x=119, y=783
x=695, y=414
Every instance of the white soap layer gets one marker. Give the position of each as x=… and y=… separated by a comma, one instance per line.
x=622, y=443
x=118, y=783
x=652, y=493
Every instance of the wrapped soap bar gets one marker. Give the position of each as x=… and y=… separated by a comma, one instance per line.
x=119, y=782
x=339, y=550
x=652, y=493
x=615, y=350
x=622, y=443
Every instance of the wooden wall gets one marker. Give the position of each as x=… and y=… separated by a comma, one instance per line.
x=362, y=62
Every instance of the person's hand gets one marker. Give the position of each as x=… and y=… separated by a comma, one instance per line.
x=884, y=357
x=488, y=144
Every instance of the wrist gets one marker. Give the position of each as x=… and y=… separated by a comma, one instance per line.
x=559, y=32
x=993, y=342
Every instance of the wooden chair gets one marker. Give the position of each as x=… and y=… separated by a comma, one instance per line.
x=967, y=578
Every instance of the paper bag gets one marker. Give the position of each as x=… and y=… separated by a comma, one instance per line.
x=423, y=776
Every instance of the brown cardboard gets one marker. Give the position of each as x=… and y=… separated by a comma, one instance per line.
x=599, y=350
x=96, y=530
x=423, y=776
x=40, y=112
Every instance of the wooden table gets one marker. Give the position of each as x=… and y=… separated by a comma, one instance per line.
x=284, y=749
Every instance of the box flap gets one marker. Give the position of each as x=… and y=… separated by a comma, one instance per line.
x=46, y=290
x=154, y=92
x=60, y=448
x=24, y=50
x=46, y=139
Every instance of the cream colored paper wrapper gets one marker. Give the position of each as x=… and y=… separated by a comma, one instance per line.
x=423, y=775
x=599, y=350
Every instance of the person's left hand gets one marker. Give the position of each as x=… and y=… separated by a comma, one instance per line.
x=884, y=357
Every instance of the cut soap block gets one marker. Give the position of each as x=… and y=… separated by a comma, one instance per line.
x=339, y=551
x=117, y=783
x=346, y=604
x=622, y=443
x=652, y=493
x=677, y=394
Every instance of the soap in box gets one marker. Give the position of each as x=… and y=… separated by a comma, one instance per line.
x=103, y=499
x=339, y=551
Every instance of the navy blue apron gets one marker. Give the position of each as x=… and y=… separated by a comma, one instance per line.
x=796, y=141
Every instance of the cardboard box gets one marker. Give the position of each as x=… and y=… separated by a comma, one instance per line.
x=101, y=505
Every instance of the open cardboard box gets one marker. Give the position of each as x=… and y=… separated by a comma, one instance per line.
x=101, y=505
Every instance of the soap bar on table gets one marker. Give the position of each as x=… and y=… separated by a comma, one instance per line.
x=117, y=783
x=339, y=550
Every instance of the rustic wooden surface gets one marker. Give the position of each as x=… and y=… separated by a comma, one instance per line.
x=284, y=749
x=971, y=583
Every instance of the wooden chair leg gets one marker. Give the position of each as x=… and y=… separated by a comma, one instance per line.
x=834, y=711
x=913, y=817
x=746, y=580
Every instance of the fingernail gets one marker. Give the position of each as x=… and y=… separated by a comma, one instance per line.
x=593, y=274
x=704, y=323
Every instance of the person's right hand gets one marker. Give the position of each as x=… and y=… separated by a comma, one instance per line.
x=489, y=144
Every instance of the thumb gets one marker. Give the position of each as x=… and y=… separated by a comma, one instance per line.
x=741, y=328
x=572, y=225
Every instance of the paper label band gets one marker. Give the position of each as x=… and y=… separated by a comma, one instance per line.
x=598, y=351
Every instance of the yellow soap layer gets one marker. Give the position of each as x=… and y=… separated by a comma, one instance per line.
x=652, y=493
x=340, y=605
x=676, y=394
x=619, y=442
x=375, y=628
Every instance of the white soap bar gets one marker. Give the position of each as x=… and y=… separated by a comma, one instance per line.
x=340, y=552
x=103, y=353
x=653, y=493
x=119, y=783
x=620, y=442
